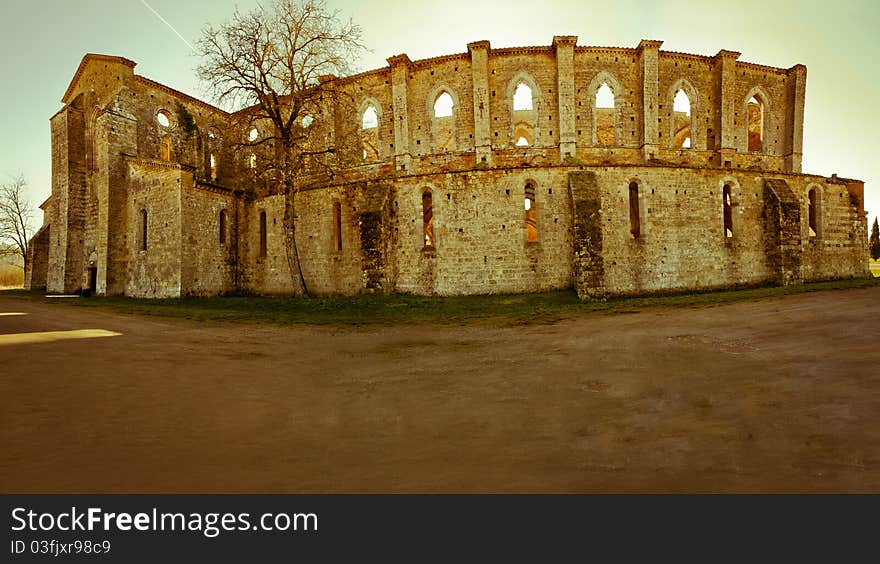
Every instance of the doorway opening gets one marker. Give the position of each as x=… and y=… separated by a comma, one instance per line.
x=93, y=281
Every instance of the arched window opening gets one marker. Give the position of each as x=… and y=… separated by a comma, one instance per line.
x=370, y=119
x=681, y=103
x=686, y=144
x=756, y=124
x=443, y=105
x=370, y=134
x=142, y=231
x=166, y=148
x=604, y=96
x=263, y=234
x=222, y=227
x=253, y=134
x=213, y=161
x=337, y=226
x=681, y=120
x=604, y=118
x=531, y=218
x=163, y=118
x=524, y=130
x=635, y=223
x=811, y=212
x=307, y=121
x=522, y=97
x=443, y=126
x=728, y=211
x=428, y=218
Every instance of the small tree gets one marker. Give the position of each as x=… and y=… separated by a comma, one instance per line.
x=874, y=243
x=271, y=61
x=16, y=216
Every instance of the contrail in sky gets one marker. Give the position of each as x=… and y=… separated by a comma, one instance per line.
x=171, y=27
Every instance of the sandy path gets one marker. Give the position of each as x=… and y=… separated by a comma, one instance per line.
x=772, y=395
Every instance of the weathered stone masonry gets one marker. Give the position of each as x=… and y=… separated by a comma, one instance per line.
x=605, y=169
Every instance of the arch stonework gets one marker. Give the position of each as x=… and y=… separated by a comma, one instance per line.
x=644, y=200
x=371, y=141
x=820, y=206
x=537, y=107
x=605, y=77
x=768, y=125
x=362, y=107
x=444, y=130
x=698, y=135
x=435, y=92
x=736, y=197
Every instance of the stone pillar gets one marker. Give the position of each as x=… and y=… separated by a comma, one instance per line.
x=58, y=217
x=728, y=105
x=649, y=65
x=377, y=237
x=69, y=193
x=399, y=76
x=794, y=144
x=588, y=267
x=479, y=51
x=116, y=136
x=782, y=232
x=564, y=46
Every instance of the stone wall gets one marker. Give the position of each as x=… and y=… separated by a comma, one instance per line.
x=154, y=269
x=564, y=80
x=209, y=262
x=330, y=266
x=839, y=248
x=38, y=259
x=265, y=272
x=480, y=233
x=584, y=237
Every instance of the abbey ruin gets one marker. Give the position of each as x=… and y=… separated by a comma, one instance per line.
x=609, y=170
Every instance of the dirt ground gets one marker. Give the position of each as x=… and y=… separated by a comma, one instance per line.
x=772, y=395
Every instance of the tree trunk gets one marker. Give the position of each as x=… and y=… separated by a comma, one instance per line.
x=296, y=275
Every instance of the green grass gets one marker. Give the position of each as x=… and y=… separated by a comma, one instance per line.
x=386, y=310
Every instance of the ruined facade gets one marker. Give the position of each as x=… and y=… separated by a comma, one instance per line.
x=612, y=171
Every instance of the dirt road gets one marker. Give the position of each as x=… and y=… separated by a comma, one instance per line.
x=772, y=395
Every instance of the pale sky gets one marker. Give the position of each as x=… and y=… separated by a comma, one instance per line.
x=42, y=42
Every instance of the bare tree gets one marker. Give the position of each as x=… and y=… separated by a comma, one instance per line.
x=16, y=215
x=273, y=61
x=874, y=241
